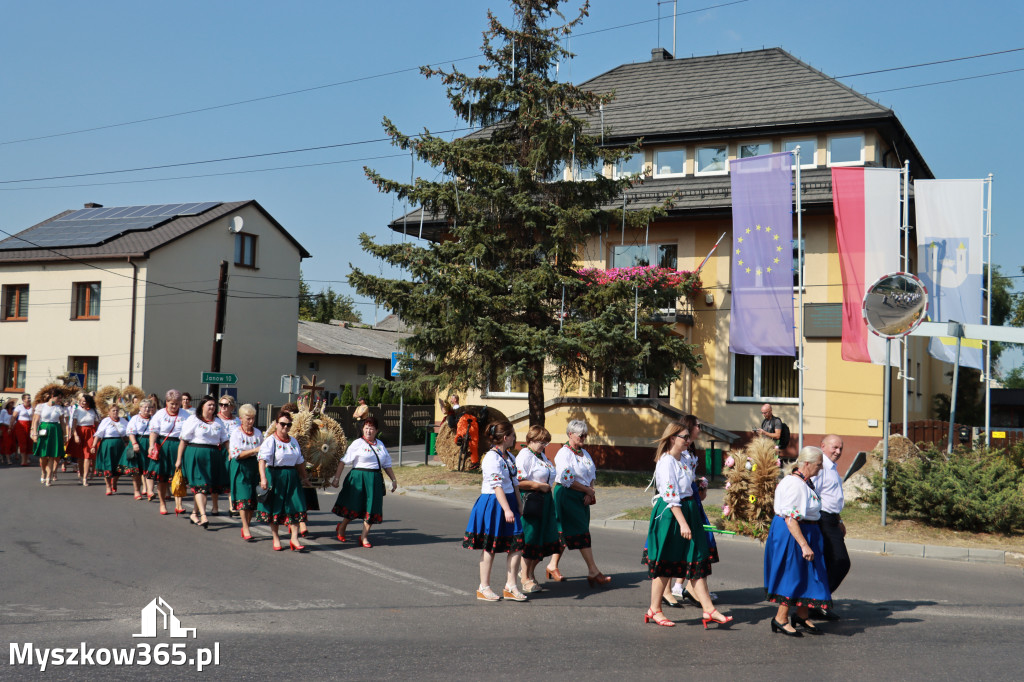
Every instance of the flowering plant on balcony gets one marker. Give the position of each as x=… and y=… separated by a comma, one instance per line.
x=647, y=278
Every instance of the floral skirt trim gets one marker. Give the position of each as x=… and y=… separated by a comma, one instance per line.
x=158, y=476
x=713, y=554
x=208, y=489
x=490, y=543
x=280, y=519
x=347, y=513
x=688, y=570
x=243, y=505
x=581, y=541
x=538, y=552
x=106, y=473
x=127, y=470
x=823, y=604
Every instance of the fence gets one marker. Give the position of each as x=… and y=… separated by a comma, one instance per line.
x=937, y=432
x=417, y=420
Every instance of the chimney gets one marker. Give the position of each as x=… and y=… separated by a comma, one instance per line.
x=660, y=54
x=92, y=205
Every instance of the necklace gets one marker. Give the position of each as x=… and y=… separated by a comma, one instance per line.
x=576, y=451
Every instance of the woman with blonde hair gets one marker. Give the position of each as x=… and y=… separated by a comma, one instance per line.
x=243, y=447
x=677, y=546
x=107, y=445
x=84, y=421
x=133, y=459
x=536, y=475
x=794, y=557
x=164, y=437
x=227, y=419
x=47, y=434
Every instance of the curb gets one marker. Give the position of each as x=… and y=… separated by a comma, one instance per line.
x=900, y=549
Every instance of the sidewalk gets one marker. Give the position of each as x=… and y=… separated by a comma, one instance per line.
x=612, y=502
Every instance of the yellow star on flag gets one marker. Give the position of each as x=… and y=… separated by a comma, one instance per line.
x=778, y=248
x=775, y=237
x=769, y=268
x=748, y=271
x=776, y=260
x=739, y=239
x=748, y=230
x=741, y=263
x=759, y=271
x=737, y=252
x=758, y=228
x=767, y=229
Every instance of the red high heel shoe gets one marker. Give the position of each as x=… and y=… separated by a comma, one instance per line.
x=599, y=580
x=710, y=618
x=297, y=547
x=278, y=548
x=339, y=534
x=366, y=544
x=247, y=538
x=178, y=511
x=652, y=617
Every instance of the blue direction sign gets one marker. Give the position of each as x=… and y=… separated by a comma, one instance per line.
x=76, y=379
x=219, y=378
x=396, y=364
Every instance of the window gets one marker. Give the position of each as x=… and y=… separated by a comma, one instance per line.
x=798, y=261
x=589, y=172
x=15, y=302
x=711, y=160
x=245, y=250
x=755, y=149
x=668, y=162
x=87, y=366
x=630, y=389
x=662, y=255
x=630, y=166
x=14, y=372
x=846, y=150
x=361, y=369
x=85, y=301
x=756, y=378
x=808, y=151
x=507, y=387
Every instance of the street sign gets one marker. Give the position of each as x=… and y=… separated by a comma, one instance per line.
x=290, y=383
x=231, y=391
x=219, y=378
x=76, y=379
x=396, y=364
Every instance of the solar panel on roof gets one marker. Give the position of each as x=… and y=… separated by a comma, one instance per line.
x=94, y=226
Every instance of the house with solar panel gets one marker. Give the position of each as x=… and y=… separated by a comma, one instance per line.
x=127, y=295
x=694, y=117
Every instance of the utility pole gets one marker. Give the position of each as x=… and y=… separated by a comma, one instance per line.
x=218, y=324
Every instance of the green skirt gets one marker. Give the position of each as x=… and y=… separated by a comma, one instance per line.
x=201, y=466
x=224, y=471
x=541, y=534
x=108, y=452
x=130, y=463
x=51, y=443
x=286, y=501
x=573, y=518
x=668, y=554
x=245, y=476
x=362, y=496
x=162, y=469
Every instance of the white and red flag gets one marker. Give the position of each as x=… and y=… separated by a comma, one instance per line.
x=867, y=209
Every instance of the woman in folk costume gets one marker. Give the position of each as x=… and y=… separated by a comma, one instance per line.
x=794, y=555
x=47, y=432
x=107, y=446
x=202, y=438
x=133, y=459
x=226, y=417
x=81, y=430
x=164, y=438
x=363, y=493
x=243, y=447
x=677, y=545
x=23, y=427
x=283, y=475
x=536, y=474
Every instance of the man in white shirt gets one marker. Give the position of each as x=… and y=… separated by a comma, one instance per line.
x=829, y=487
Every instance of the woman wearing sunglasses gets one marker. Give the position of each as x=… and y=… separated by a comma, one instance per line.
x=282, y=467
x=226, y=418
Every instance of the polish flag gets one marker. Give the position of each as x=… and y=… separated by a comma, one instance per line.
x=867, y=208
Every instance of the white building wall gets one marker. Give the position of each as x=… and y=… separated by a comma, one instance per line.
x=260, y=333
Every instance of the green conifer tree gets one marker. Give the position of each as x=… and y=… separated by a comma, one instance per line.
x=347, y=398
x=501, y=296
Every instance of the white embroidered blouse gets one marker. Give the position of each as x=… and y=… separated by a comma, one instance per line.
x=196, y=431
x=163, y=424
x=360, y=455
x=109, y=428
x=571, y=468
x=499, y=471
x=137, y=426
x=240, y=442
x=674, y=479
x=794, y=499
x=277, y=453
x=536, y=468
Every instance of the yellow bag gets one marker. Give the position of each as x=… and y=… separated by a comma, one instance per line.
x=179, y=487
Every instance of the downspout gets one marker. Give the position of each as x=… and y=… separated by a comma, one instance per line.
x=131, y=335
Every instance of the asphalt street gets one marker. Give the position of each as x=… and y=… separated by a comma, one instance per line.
x=78, y=567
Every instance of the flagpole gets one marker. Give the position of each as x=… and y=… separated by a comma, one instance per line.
x=800, y=294
x=906, y=268
x=988, y=320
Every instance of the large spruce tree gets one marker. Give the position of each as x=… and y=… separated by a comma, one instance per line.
x=500, y=296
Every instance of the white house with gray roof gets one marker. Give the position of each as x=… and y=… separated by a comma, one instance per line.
x=342, y=353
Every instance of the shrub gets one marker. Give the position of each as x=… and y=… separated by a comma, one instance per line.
x=364, y=392
x=968, y=490
x=347, y=398
x=377, y=394
x=388, y=398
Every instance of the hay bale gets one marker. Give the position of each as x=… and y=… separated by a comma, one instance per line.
x=750, y=488
x=446, y=448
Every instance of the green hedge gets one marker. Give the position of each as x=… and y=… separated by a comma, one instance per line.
x=967, y=490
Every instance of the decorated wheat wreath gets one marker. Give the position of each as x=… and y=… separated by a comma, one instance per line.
x=751, y=477
x=322, y=441
x=122, y=397
x=59, y=388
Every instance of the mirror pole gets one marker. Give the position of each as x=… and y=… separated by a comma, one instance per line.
x=885, y=420
x=952, y=395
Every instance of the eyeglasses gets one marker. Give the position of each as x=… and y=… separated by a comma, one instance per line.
x=225, y=404
x=286, y=425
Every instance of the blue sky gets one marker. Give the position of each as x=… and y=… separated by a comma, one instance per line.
x=69, y=66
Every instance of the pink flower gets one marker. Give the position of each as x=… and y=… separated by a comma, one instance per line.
x=728, y=484
x=778, y=462
x=725, y=510
x=730, y=462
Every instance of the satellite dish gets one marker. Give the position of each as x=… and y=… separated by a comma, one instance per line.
x=236, y=224
x=895, y=305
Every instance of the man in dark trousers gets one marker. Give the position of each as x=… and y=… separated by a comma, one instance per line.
x=829, y=488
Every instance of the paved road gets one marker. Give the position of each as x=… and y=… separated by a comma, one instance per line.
x=77, y=567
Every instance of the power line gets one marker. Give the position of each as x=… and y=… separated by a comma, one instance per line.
x=951, y=80
x=941, y=61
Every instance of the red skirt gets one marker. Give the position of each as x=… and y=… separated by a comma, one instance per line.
x=83, y=448
x=21, y=431
x=7, y=441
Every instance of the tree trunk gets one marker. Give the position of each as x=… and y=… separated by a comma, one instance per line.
x=535, y=395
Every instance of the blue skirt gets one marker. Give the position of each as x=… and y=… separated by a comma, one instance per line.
x=487, y=528
x=789, y=578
